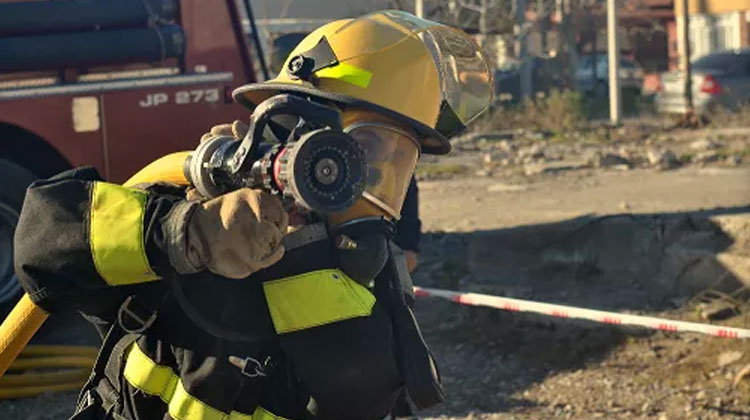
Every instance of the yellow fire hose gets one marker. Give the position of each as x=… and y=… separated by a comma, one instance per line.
x=26, y=318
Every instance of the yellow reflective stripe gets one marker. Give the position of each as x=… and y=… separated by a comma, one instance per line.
x=144, y=374
x=315, y=298
x=160, y=381
x=346, y=73
x=116, y=234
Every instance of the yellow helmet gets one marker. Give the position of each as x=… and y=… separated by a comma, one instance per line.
x=425, y=74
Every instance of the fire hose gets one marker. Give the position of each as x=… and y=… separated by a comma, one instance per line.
x=71, y=364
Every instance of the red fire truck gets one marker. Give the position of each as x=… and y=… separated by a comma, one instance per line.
x=113, y=84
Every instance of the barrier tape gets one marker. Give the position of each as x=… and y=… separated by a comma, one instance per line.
x=564, y=311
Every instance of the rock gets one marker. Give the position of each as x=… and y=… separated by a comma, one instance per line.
x=728, y=357
x=548, y=167
x=487, y=158
x=716, y=310
x=535, y=152
x=482, y=173
x=701, y=395
x=506, y=187
x=625, y=205
x=607, y=160
x=745, y=371
x=704, y=145
x=529, y=159
x=663, y=159
x=708, y=156
x=663, y=417
x=733, y=160
x=505, y=146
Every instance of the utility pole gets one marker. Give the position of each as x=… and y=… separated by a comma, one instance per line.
x=483, y=12
x=522, y=50
x=419, y=8
x=685, y=61
x=613, y=49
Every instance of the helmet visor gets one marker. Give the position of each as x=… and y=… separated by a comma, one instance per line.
x=391, y=157
x=465, y=78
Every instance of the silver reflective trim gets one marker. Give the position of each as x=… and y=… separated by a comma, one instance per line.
x=385, y=207
x=109, y=86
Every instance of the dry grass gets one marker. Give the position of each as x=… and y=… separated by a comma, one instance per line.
x=439, y=171
x=557, y=113
x=723, y=117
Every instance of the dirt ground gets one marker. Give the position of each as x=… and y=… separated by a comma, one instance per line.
x=498, y=365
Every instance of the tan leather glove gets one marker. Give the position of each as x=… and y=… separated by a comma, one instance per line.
x=237, y=129
x=233, y=235
x=238, y=233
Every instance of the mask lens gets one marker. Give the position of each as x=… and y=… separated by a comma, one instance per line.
x=391, y=157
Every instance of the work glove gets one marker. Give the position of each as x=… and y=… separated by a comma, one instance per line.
x=236, y=129
x=233, y=235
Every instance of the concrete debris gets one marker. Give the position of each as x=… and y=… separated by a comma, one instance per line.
x=505, y=146
x=704, y=145
x=604, y=160
x=716, y=311
x=551, y=167
x=662, y=159
x=708, y=156
x=745, y=371
x=733, y=160
x=500, y=187
x=535, y=152
x=728, y=357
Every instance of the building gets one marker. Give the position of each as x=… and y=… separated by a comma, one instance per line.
x=715, y=25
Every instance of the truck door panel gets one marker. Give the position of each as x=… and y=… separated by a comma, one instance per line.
x=71, y=124
x=145, y=124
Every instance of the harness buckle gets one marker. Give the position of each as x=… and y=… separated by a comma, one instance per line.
x=250, y=367
x=136, y=315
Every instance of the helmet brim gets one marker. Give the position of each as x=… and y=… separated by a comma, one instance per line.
x=432, y=141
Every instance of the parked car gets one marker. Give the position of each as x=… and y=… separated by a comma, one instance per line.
x=720, y=79
x=631, y=76
x=545, y=72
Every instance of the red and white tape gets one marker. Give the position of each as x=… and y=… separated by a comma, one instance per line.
x=564, y=311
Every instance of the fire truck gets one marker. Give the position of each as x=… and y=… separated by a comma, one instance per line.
x=111, y=84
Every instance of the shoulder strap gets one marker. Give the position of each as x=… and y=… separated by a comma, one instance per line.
x=135, y=315
x=418, y=368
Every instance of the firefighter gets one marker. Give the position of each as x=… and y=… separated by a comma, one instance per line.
x=230, y=308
